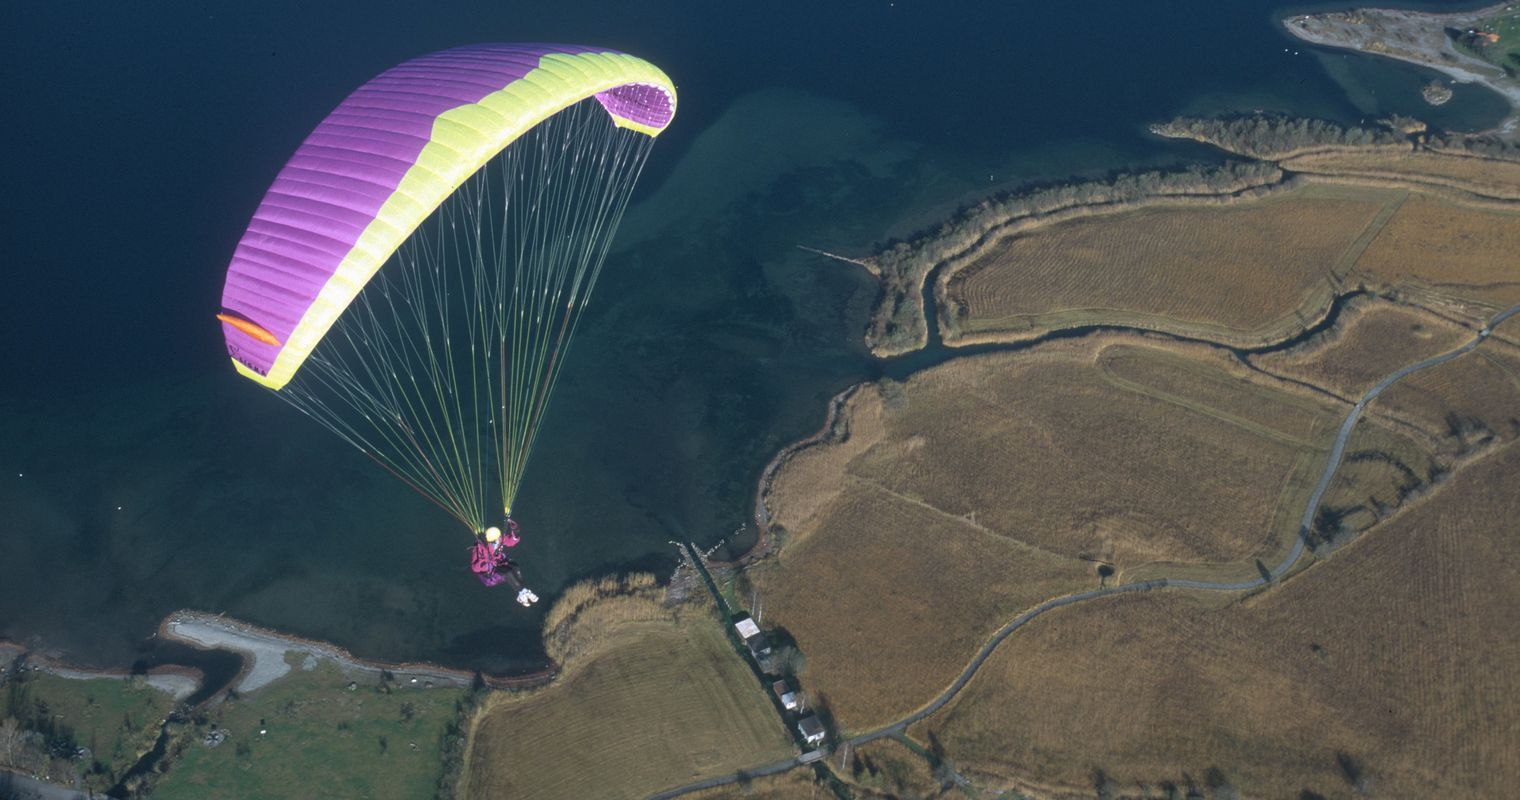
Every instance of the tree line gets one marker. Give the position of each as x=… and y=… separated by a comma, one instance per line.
x=1276, y=136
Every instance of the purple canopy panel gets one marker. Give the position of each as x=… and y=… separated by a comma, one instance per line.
x=330, y=192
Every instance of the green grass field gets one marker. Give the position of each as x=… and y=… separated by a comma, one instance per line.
x=322, y=740
x=117, y=719
x=1504, y=53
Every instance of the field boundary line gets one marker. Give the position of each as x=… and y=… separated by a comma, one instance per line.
x=1427, y=182
x=1257, y=428
x=1346, y=262
x=975, y=526
x=1452, y=189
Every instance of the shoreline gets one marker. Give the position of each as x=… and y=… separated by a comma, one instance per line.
x=175, y=680
x=264, y=654
x=1414, y=37
x=905, y=269
x=764, y=543
x=264, y=650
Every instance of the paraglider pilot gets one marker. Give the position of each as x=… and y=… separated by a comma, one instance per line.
x=490, y=563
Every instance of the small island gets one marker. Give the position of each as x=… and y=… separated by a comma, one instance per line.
x=1481, y=46
x=1436, y=93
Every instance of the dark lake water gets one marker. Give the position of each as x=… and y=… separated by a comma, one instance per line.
x=139, y=474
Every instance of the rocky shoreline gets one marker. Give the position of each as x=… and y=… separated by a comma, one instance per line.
x=829, y=432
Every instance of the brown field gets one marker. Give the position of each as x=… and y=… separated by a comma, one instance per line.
x=1460, y=251
x=975, y=491
x=1101, y=466
x=1373, y=338
x=1243, y=272
x=1466, y=403
x=1209, y=380
x=870, y=591
x=656, y=702
x=796, y=784
x=1390, y=668
x=1382, y=470
x=898, y=324
x=1491, y=178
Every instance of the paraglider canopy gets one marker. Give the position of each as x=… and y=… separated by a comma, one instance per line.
x=384, y=159
x=487, y=181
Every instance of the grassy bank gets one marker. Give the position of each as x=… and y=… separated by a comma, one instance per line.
x=316, y=734
x=45, y=720
x=897, y=322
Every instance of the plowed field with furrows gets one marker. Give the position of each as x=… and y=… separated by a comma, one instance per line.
x=1240, y=267
x=1460, y=251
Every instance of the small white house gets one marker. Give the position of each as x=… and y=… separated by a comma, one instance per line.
x=811, y=729
x=785, y=694
x=758, y=645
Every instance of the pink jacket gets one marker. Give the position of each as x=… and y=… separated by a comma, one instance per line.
x=481, y=558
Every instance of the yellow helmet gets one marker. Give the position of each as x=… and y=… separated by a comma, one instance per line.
x=493, y=533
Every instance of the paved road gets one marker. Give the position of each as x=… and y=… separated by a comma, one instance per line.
x=723, y=780
x=981, y=656
x=1337, y=452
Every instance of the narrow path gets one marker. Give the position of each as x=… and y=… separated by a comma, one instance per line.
x=1337, y=452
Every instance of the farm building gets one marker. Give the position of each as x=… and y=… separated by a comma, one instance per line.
x=811, y=729
x=746, y=627
x=760, y=647
x=753, y=638
x=784, y=693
